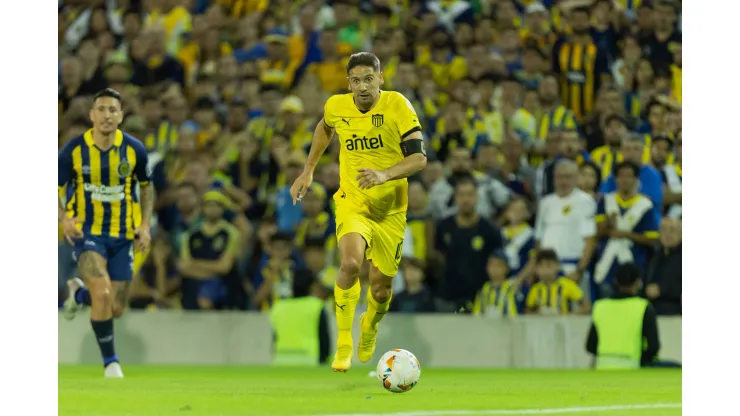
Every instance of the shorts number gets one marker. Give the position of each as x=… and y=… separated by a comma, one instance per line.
x=399, y=249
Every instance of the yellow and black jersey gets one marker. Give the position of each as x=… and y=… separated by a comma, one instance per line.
x=104, y=183
x=580, y=68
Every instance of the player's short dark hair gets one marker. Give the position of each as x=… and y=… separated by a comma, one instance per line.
x=546, y=254
x=627, y=165
x=626, y=275
x=363, y=59
x=108, y=92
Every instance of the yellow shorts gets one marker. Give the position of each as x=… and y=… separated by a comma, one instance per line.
x=139, y=260
x=384, y=236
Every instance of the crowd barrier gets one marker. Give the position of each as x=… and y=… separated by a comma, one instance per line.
x=225, y=338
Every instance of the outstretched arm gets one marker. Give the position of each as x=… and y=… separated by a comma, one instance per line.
x=321, y=139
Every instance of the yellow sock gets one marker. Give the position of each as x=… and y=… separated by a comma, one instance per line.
x=376, y=310
x=346, y=303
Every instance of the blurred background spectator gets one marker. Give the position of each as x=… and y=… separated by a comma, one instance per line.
x=521, y=101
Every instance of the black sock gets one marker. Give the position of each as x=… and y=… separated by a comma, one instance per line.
x=83, y=296
x=104, y=335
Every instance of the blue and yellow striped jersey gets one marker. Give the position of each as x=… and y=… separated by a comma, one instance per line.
x=104, y=183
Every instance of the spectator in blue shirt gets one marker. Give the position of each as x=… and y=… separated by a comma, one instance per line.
x=289, y=215
x=650, y=183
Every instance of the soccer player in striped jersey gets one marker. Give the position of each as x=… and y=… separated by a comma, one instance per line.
x=103, y=166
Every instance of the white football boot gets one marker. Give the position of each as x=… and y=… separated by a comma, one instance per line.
x=113, y=370
x=71, y=307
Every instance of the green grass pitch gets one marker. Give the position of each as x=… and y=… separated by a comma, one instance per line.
x=268, y=391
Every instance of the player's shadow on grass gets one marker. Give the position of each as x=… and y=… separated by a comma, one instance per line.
x=402, y=331
x=130, y=346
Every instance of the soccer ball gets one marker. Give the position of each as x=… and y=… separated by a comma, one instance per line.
x=399, y=371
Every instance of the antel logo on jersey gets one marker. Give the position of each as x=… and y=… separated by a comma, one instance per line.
x=364, y=143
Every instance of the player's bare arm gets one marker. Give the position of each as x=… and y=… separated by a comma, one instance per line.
x=147, y=205
x=69, y=225
x=415, y=159
x=321, y=139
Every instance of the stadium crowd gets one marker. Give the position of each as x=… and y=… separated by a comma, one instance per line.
x=553, y=123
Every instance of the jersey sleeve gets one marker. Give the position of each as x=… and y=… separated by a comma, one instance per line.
x=66, y=170
x=330, y=112
x=142, y=170
x=408, y=121
x=648, y=225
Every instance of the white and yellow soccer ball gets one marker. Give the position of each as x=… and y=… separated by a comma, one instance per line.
x=398, y=371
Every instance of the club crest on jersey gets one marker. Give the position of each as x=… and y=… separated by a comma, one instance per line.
x=377, y=120
x=124, y=169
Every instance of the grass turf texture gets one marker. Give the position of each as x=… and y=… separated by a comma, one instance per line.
x=227, y=391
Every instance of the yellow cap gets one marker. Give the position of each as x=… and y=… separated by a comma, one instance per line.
x=217, y=196
x=292, y=104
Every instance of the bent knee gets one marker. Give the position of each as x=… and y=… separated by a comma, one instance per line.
x=101, y=296
x=381, y=291
x=350, y=267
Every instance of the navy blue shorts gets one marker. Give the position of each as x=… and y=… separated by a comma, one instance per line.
x=119, y=252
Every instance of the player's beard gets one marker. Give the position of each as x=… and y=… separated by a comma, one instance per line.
x=365, y=99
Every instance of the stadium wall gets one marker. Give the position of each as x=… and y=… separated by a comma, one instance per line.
x=172, y=337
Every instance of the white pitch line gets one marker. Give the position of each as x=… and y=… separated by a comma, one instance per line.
x=551, y=411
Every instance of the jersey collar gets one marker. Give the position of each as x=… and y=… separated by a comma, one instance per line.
x=116, y=142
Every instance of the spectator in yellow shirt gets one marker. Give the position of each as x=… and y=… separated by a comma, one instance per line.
x=293, y=125
x=554, y=294
x=278, y=68
x=176, y=21
x=445, y=64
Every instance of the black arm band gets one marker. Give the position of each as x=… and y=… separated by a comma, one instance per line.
x=409, y=147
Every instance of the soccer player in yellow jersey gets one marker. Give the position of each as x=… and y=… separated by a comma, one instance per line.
x=381, y=145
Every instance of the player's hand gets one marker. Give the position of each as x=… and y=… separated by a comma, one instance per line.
x=371, y=177
x=71, y=233
x=300, y=186
x=143, y=239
